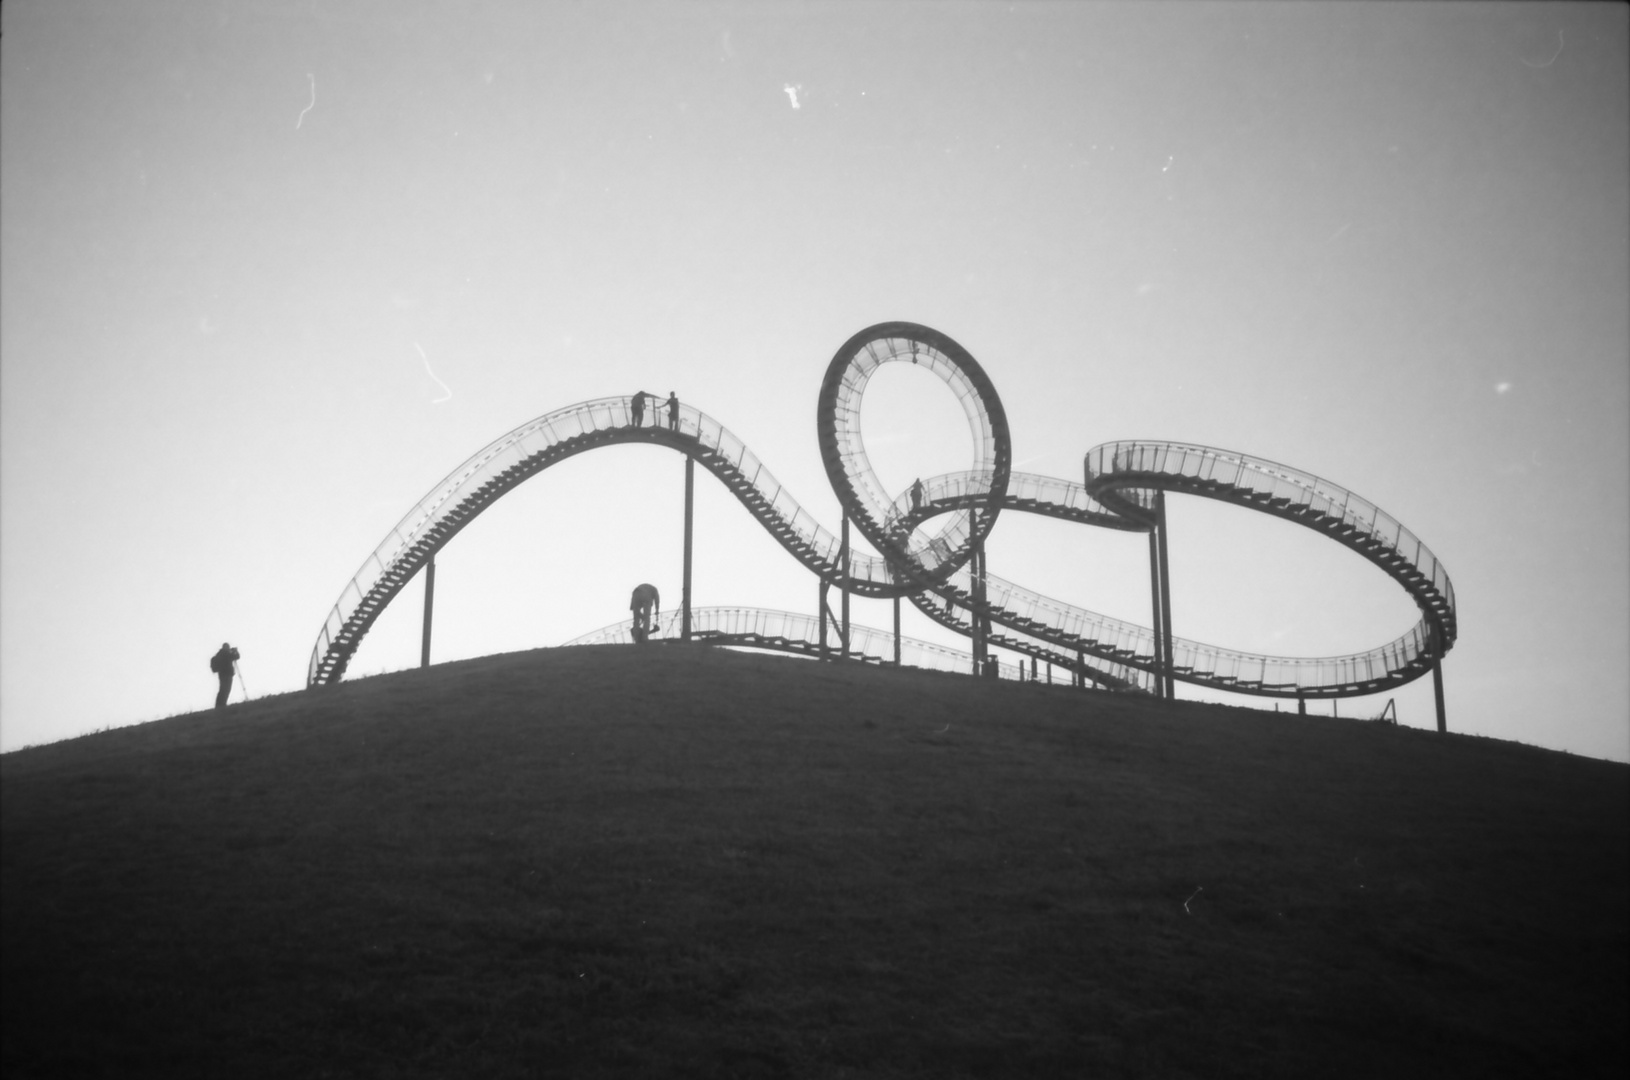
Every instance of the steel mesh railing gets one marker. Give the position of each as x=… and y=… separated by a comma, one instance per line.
x=766, y=627
x=1268, y=481
x=1114, y=473
x=398, y=555
x=1115, y=470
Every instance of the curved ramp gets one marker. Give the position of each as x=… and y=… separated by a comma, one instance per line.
x=1125, y=474
x=533, y=447
x=928, y=537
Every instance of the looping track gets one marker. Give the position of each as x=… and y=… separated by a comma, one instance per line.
x=931, y=566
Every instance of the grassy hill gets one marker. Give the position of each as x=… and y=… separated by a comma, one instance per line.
x=678, y=861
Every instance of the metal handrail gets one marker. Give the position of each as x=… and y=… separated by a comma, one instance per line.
x=1116, y=471
x=929, y=564
x=407, y=545
x=777, y=630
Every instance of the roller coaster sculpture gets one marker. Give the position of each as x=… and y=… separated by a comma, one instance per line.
x=931, y=541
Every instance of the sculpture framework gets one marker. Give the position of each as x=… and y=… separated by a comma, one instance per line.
x=931, y=542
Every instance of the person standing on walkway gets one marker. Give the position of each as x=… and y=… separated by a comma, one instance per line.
x=637, y=408
x=224, y=664
x=673, y=411
x=917, y=495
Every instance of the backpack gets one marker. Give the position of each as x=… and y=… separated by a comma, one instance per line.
x=215, y=663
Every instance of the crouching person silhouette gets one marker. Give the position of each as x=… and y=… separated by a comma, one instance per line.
x=645, y=598
x=223, y=663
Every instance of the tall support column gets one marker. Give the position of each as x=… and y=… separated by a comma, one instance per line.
x=1168, y=685
x=1437, y=684
x=1437, y=695
x=429, y=606
x=984, y=619
x=976, y=569
x=684, y=592
x=821, y=608
x=843, y=558
x=896, y=631
x=1154, y=609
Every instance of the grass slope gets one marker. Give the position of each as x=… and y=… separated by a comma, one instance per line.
x=680, y=861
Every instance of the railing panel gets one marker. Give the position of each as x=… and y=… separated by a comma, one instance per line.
x=1059, y=624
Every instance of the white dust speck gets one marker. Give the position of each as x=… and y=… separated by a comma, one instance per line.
x=792, y=93
x=448, y=390
x=1502, y=387
x=308, y=108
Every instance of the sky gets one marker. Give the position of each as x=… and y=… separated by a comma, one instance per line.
x=269, y=271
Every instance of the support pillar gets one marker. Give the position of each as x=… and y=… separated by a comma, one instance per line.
x=1154, y=608
x=843, y=559
x=1433, y=644
x=976, y=566
x=1168, y=685
x=823, y=610
x=1436, y=694
x=983, y=618
x=684, y=593
x=429, y=606
x=896, y=631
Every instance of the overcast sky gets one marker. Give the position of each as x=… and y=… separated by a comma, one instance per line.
x=271, y=270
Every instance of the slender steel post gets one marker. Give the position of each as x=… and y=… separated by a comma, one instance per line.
x=1154, y=607
x=1432, y=642
x=896, y=631
x=843, y=558
x=822, y=610
x=1169, y=687
x=975, y=612
x=429, y=605
x=984, y=619
x=1437, y=694
x=684, y=593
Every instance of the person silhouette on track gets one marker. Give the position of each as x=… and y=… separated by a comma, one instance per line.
x=636, y=409
x=673, y=411
x=223, y=663
x=917, y=495
x=645, y=598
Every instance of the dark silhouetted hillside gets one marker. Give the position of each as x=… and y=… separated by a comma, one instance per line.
x=677, y=861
